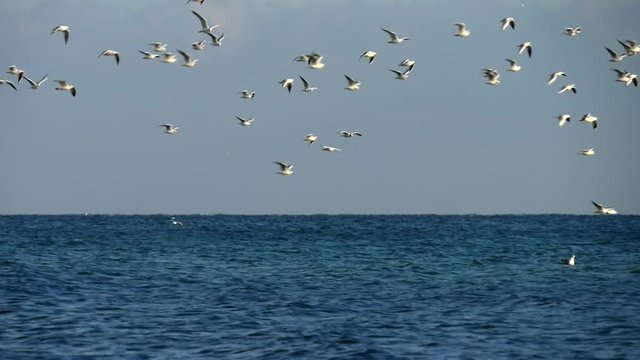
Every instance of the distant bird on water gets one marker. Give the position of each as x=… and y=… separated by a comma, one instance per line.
x=570, y=261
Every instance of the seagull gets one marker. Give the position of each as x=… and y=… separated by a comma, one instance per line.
x=169, y=58
x=525, y=46
x=348, y=134
x=571, y=261
x=587, y=152
x=302, y=58
x=36, y=85
x=563, y=119
x=590, y=119
x=286, y=83
x=603, y=209
x=245, y=122
x=493, y=78
x=65, y=86
x=199, y=45
x=369, y=55
x=15, y=71
x=353, y=85
x=626, y=77
x=402, y=75
x=169, y=129
x=173, y=221
x=572, y=31
x=553, y=77
x=113, y=53
x=315, y=61
x=513, y=65
x=311, y=138
x=148, y=55
x=462, y=32
x=246, y=94
x=200, y=1
x=216, y=40
x=329, y=148
x=615, y=57
x=630, y=47
x=307, y=87
x=285, y=169
x=395, y=39
x=407, y=63
x=206, y=28
x=571, y=87
x=63, y=29
x=7, y=82
x=506, y=22
x=158, y=46
x=188, y=61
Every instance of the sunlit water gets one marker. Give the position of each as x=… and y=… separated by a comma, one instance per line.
x=320, y=287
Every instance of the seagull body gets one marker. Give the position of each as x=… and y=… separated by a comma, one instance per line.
x=570, y=87
x=158, y=46
x=571, y=261
x=462, y=32
x=525, y=46
x=315, y=61
x=513, y=65
x=245, y=122
x=188, y=61
x=199, y=45
x=65, y=86
x=169, y=129
x=631, y=47
x=563, y=119
x=148, y=55
x=169, y=58
x=369, y=55
x=492, y=75
x=63, y=29
x=553, y=77
x=206, y=28
x=285, y=169
x=626, y=77
x=307, y=87
x=572, y=31
x=286, y=83
x=311, y=138
x=329, y=148
x=588, y=152
x=508, y=22
x=215, y=40
x=401, y=75
x=590, y=119
x=36, y=85
x=113, y=53
x=246, y=94
x=407, y=63
x=15, y=71
x=352, y=85
x=7, y=82
x=603, y=209
x=394, y=38
x=615, y=57
x=348, y=134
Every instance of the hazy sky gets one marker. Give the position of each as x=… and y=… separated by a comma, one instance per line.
x=440, y=142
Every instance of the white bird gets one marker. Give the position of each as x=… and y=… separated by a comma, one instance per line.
x=626, y=77
x=369, y=55
x=199, y=1
x=572, y=31
x=348, y=134
x=329, y=148
x=15, y=71
x=246, y=94
x=65, y=86
x=169, y=58
x=173, y=221
x=590, y=119
x=506, y=22
x=7, y=82
x=352, y=85
x=553, y=77
x=571, y=261
x=206, y=28
x=188, y=61
x=569, y=87
x=525, y=46
x=492, y=75
x=631, y=47
x=159, y=47
x=199, y=45
x=169, y=129
x=285, y=169
x=36, y=85
x=148, y=55
x=513, y=65
x=563, y=119
x=395, y=39
x=113, y=53
x=315, y=61
x=307, y=87
x=286, y=83
x=215, y=40
x=603, y=209
x=462, y=31
x=310, y=138
x=587, y=152
x=615, y=57
x=245, y=122
x=63, y=29
x=407, y=63
x=401, y=75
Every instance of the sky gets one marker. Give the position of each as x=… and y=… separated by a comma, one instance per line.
x=440, y=142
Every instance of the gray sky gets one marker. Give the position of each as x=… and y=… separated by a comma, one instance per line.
x=440, y=142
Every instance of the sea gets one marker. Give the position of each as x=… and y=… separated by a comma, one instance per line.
x=319, y=287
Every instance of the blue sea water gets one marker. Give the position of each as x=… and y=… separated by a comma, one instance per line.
x=319, y=287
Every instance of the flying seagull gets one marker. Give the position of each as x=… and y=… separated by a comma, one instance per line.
x=113, y=53
x=626, y=77
x=506, y=22
x=631, y=47
x=569, y=87
x=286, y=83
x=206, y=28
x=525, y=46
x=369, y=55
x=65, y=86
x=590, y=119
x=148, y=55
x=315, y=61
x=587, y=152
x=407, y=63
x=348, y=134
x=169, y=129
x=492, y=75
x=199, y=45
x=563, y=119
x=36, y=85
x=169, y=58
x=7, y=82
x=615, y=57
x=245, y=122
x=158, y=46
x=215, y=40
x=307, y=87
x=311, y=138
x=285, y=169
x=188, y=61
x=513, y=65
x=63, y=29
x=330, y=148
x=394, y=38
x=246, y=94
x=402, y=75
x=600, y=209
x=572, y=31
x=462, y=31
x=553, y=77
x=352, y=85
x=15, y=71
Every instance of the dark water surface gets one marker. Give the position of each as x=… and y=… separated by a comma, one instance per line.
x=320, y=287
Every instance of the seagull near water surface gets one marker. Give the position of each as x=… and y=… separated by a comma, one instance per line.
x=601, y=209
